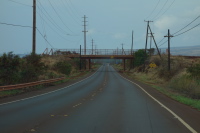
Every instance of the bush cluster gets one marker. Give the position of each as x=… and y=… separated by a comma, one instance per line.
x=139, y=57
x=14, y=70
x=9, y=68
x=63, y=67
x=194, y=71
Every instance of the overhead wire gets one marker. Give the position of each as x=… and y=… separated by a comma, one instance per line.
x=55, y=31
x=166, y=9
x=153, y=9
x=16, y=25
x=161, y=9
x=70, y=13
x=75, y=8
x=43, y=27
x=187, y=30
x=50, y=19
x=20, y=3
x=44, y=38
x=60, y=17
x=187, y=25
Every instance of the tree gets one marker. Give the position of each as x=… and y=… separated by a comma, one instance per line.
x=139, y=57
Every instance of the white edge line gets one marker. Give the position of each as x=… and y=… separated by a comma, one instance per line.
x=162, y=105
x=50, y=91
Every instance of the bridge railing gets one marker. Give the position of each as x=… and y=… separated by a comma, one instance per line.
x=94, y=51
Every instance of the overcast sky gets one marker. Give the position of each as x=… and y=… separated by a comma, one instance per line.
x=110, y=23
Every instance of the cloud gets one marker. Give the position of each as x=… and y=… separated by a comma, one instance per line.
x=91, y=32
x=192, y=13
x=166, y=22
x=120, y=35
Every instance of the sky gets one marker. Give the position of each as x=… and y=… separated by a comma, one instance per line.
x=109, y=23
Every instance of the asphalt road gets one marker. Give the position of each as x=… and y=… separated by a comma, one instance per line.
x=103, y=103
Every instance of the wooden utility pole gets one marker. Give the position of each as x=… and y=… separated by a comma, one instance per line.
x=150, y=42
x=146, y=42
x=155, y=42
x=80, y=57
x=132, y=45
x=147, y=35
x=92, y=45
x=168, y=48
x=85, y=33
x=122, y=48
x=34, y=28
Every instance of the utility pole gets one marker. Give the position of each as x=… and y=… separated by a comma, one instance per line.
x=146, y=41
x=122, y=48
x=155, y=42
x=132, y=45
x=131, y=61
x=147, y=35
x=34, y=28
x=92, y=45
x=84, y=33
x=150, y=42
x=168, y=48
x=80, y=57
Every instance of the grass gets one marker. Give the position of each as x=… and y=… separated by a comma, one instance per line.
x=195, y=103
x=19, y=91
x=162, y=86
x=10, y=92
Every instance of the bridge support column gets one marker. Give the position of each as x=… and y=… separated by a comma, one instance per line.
x=89, y=64
x=124, y=64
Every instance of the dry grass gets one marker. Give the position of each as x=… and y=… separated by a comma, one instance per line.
x=51, y=60
x=176, y=80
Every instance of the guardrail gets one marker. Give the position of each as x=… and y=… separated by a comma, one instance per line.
x=19, y=86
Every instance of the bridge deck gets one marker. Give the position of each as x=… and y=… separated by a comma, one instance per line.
x=102, y=56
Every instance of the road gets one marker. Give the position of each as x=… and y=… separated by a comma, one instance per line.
x=103, y=103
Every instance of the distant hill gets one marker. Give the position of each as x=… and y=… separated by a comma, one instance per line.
x=187, y=51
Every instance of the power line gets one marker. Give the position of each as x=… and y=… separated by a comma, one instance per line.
x=187, y=25
x=166, y=9
x=44, y=38
x=59, y=34
x=59, y=17
x=72, y=12
x=163, y=43
x=160, y=10
x=187, y=30
x=16, y=25
x=20, y=3
x=161, y=40
x=50, y=19
x=153, y=9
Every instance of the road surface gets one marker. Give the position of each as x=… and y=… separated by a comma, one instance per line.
x=103, y=103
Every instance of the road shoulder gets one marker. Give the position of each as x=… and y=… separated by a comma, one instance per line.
x=188, y=114
x=43, y=90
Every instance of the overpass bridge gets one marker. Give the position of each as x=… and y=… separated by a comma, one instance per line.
x=89, y=54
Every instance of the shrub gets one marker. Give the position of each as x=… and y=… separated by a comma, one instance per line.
x=139, y=57
x=32, y=68
x=9, y=67
x=176, y=67
x=156, y=60
x=194, y=71
x=63, y=67
x=186, y=85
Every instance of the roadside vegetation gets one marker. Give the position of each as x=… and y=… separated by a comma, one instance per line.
x=33, y=67
x=181, y=83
